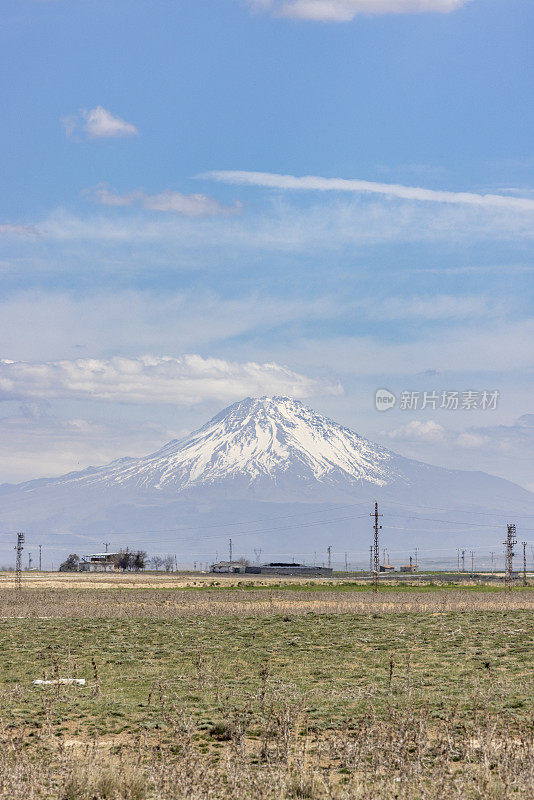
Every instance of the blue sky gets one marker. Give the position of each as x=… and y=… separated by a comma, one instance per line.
x=156, y=262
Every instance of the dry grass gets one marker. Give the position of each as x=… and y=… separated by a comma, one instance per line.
x=266, y=694
x=165, y=603
x=147, y=580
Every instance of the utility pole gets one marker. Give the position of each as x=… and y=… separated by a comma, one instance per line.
x=472, y=564
x=416, y=561
x=371, y=558
x=463, y=560
x=18, y=570
x=230, y=551
x=524, y=563
x=257, y=553
x=492, y=563
x=458, y=557
x=40, y=557
x=29, y=560
x=346, y=564
x=315, y=558
x=106, y=545
x=376, y=551
x=509, y=555
x=329, y=551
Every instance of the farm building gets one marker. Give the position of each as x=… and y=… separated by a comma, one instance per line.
x=387, y=568
x=409, y=568
x=228, y=567
x=283, y=568
x=99, y=562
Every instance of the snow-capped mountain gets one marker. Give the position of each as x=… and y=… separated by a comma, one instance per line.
x=257, y=459
x=253, y=441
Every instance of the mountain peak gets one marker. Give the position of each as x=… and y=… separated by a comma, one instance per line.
x=261, y=405
x=257, y=440
x=257, y=454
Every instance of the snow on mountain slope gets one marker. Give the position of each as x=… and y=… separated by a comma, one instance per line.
x=255, y=439
x=258, y=460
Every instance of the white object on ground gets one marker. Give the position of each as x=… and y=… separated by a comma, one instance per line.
x=60, y=682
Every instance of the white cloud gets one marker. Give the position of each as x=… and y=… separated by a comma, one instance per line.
x=188, y=205
x=318, y=184
x=430, y=431
x=424, y=431
x=503, y=450
x=347, y=10
x=17, y=229
x=98, y=123
x=187, y=380
x=472, y=440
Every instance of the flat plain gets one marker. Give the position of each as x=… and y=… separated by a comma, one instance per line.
x=235, y=688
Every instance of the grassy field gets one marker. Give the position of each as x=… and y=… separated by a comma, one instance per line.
x=321, y=691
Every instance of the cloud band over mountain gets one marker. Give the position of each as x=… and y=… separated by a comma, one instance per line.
x=186, y=380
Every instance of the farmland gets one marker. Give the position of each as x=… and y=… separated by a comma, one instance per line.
x=225, y=689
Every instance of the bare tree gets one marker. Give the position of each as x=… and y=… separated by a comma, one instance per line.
x=168, y=563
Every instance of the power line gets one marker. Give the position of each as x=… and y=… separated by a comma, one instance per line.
x=413, y=516
x=18, y=571
x=509, y=555
x=376, y=550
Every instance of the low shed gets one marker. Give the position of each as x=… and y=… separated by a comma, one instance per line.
x=284, y=568
x=228, y=567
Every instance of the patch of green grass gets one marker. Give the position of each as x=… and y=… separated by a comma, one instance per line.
x=335, y=662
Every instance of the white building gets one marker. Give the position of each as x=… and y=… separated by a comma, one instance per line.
x=99, y=562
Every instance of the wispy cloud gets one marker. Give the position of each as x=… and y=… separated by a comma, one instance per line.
x=200, y=320
x=347, y=10
x=97, y=123
x=187, y=380
x=282, y=226
x=34, y=443
x=318, y=184
x=467, y=349
x=17, y=229
x=188, y=205
x=439, y=307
